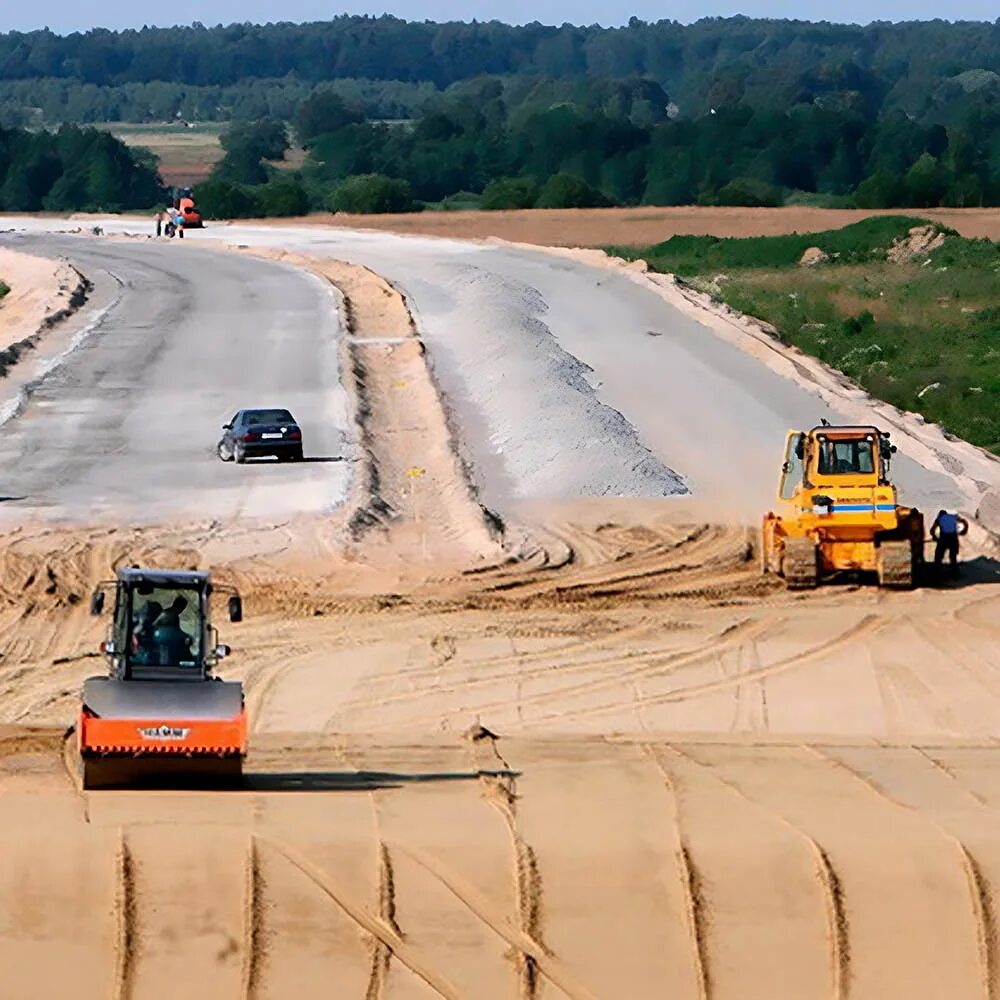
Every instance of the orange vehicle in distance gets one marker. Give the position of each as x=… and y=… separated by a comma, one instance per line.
x=190, y=215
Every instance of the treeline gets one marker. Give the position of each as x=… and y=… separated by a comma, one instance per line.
x=565, y=144
x=52, y=102
x=713, y=63
x=74, y=169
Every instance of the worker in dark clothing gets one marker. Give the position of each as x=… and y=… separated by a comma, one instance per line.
x=946, y=531
x=173, y=642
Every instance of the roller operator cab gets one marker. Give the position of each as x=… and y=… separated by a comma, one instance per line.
x=160, y=712
x=839, y=511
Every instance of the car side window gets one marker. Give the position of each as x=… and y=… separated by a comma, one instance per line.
x=235, y=422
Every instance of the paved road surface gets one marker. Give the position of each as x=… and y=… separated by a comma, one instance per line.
x=127, y=425
x=525, y=343
x=564, y=375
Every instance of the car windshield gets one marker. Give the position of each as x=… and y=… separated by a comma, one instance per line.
x=254, y=418
x=164, y=627
x=838, y=458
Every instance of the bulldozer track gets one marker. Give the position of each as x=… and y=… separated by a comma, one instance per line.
x=798, y=563
x=895, y=564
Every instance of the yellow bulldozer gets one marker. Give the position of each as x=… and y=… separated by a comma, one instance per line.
x=840, y=512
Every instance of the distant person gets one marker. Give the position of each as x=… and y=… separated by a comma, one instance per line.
x=946, y=531
x=159, y=223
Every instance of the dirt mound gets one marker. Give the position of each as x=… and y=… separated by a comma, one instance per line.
x=921, y=241
x=813, y=256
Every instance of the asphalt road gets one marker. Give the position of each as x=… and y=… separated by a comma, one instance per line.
x=126, y=427
x=568, y=380
x=545, y=358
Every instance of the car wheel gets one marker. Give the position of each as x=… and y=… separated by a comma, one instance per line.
x=297, y=454
x=239, y=454
x=223, y=454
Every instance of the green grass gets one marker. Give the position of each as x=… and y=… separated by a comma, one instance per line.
x=692, y=255
x=894, y=328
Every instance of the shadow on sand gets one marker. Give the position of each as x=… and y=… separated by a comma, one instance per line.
x=355, y=781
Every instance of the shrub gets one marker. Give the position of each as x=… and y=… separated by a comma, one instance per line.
x=748, y=193
x=222, y=200
x=372, y=194
x=567, y=191
x=283, y=196
x=509, y=193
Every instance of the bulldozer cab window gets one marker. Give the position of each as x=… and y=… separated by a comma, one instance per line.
x=165, y=627
x=844, y=458
x=792, y=468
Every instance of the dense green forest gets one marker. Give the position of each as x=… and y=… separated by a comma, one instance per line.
x=714, y=62
x=73, y=169
x=399, y=114
x=552, y=144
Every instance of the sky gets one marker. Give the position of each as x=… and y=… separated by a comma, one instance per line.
x=70, y=15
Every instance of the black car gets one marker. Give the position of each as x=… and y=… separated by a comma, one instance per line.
x=252, y=433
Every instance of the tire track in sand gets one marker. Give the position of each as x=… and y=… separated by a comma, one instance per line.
x=689, y=878
x=500, y=791
x=381, y=952
x=826, y=878
x=865, y=628
x=636, y=668
x=377, y=927
x=126, y=926
x=473, y=900
x=980, y=895
x=253, y=919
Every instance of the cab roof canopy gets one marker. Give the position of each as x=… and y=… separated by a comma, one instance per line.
x=164, y=577
x=846, y=431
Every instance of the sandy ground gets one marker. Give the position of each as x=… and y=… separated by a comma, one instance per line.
x=585, y=752
x=592, y=227
x=39, y=287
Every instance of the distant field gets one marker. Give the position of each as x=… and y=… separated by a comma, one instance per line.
x=186, y=153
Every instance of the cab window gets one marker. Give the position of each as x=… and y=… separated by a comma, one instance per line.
x=843, y=458
x=792, y=468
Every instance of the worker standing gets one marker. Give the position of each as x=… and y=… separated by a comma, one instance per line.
x=946, y=531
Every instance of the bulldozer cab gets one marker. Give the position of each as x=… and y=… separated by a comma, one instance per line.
x=161, y=625
x=829, y=456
